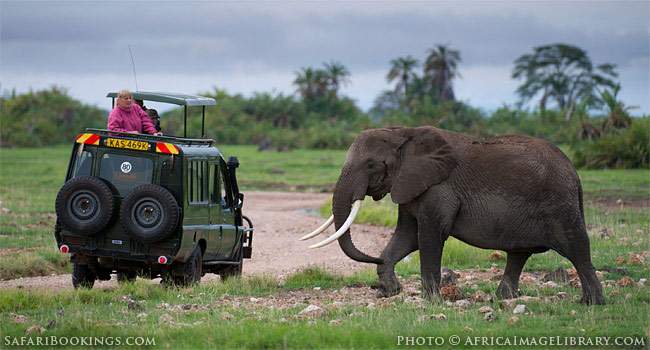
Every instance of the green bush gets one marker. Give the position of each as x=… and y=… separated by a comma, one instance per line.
x=623, y=148
x=45, y=118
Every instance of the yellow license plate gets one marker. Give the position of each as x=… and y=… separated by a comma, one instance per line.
x=129, y=144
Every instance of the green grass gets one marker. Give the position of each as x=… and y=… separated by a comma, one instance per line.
x=30, y=178
x=260, y=312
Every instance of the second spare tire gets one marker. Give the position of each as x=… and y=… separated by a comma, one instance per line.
x=149, y=213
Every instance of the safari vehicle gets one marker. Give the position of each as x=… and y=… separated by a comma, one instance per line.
x=151, y=206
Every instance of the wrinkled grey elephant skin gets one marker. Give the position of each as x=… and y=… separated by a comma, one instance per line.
x=518, y=194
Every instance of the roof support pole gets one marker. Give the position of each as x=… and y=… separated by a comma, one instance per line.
x=203, y=123
x=185, y=121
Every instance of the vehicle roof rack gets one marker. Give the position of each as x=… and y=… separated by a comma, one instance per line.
x=173, y=98
x=171, y=139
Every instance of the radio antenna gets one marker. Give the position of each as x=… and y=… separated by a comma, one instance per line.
x=135, y=77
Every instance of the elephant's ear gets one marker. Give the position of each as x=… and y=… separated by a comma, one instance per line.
x=426, y=160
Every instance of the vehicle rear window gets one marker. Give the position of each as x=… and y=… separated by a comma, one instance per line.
x=125, y=172
x=84, y=164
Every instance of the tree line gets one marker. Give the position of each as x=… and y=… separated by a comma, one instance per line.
x=563, y=97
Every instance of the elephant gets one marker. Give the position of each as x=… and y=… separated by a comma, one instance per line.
x=513, y=193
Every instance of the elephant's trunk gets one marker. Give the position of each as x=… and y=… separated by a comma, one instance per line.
x=349, y=188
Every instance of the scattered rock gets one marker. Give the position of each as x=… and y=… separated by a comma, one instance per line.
x=513, y=320
x=51, y=324
x=600, y=275
x=625, y=282
x=371, y=306
x=620, y=260
x=549, y=284
x=439, y=317
x=166, y=318
x=497, y=256
x=463, y=303
x=335, y=322
x=317, y=288
x=558, y=276
x=490, y=316
x=636, y=259
x=519, y=309
x=468, y=329
x=573, y=312
x=35, y=329
x=227, y=316
x=19, y=318
x=642, y=282
x=186, y=307
x=451, y=292
x=255, y=300
x=605, y=233
x=485, y=309
x=134, y=305
x=311, y=310
x=562, y=295
x=481, y=297
x=448, y=276
x=528, y=279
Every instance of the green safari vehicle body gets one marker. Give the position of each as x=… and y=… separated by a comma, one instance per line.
x=172, y=209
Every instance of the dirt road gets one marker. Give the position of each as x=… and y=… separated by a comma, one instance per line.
x=280, y=218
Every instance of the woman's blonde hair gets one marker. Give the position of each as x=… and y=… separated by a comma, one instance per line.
x=124, y=93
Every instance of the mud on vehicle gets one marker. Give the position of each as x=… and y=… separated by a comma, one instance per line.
x=151, y=206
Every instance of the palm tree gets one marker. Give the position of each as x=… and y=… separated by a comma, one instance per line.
x=402, y=71
x=440, y=69
x=564, y=74
x=336, y=76
x=306, y=82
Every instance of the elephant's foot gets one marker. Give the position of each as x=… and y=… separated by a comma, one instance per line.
x=389, y=288
x=592, y=299
x=507, y=291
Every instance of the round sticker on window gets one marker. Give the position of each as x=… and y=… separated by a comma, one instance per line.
x=126, y=167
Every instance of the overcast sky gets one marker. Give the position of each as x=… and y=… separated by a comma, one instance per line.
x=246, y=47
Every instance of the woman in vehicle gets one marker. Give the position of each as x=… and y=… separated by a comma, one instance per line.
x=129, y=117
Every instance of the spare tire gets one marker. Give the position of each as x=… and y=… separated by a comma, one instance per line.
x=85, y=205
x=149, y=213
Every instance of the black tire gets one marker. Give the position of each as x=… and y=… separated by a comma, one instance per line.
x=149, y=213
x=127, y=276
x=82, y=276
x=192, y=269
x=85, y=205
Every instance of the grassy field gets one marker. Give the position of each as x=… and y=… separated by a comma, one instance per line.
x=262, y=312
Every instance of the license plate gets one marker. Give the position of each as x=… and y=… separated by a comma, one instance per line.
x=128, y=144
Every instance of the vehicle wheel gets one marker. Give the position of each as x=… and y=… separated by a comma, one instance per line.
x=149, y=213
x=128, y=276
x=192, y=269
x=85, y=205
x=82, y=276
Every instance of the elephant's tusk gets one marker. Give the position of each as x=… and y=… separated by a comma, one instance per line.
x=346, y=225
x=322, y=228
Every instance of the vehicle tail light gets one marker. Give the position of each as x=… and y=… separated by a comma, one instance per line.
x=64, y=249
x=162, y=260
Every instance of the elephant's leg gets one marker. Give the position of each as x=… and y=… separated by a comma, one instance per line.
x=430, y=261
x=403, y=242
x=510, y=282
x=579, y=254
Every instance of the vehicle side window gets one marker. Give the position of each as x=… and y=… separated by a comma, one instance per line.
x=224, y=184
x=197, y=178
x=214, y=184
x=84, y=164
